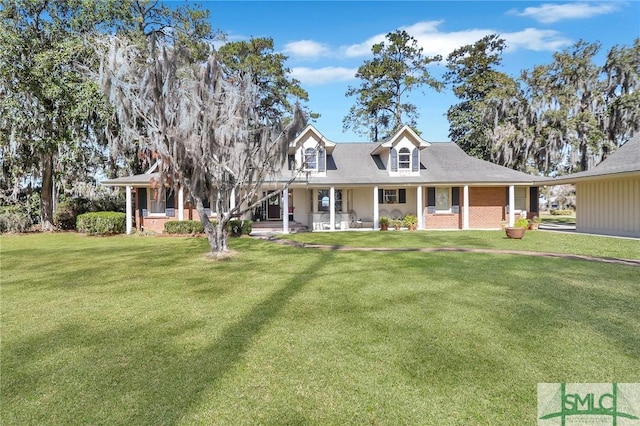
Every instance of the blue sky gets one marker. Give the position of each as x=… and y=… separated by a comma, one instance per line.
x=326, y=41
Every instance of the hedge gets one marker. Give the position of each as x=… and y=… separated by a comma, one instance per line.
x=68, y=210
x=239, y=227
x=235, y=227
x=560, y=212
x=102, y=223
x=184, y=227
x=14, y=219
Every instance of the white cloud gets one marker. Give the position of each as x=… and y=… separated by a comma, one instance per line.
x=308, y=49
x=361, y=49
x=551, y=12
x=535, y=39
x=324, y=75
x=436, y=42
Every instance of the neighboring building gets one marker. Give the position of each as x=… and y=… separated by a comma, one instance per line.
x=346, y=185
x=608, y=196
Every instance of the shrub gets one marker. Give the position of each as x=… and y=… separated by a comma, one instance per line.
x=410, y=220
x=184, y=227
x=102, y=223
x=238, y=227
x=235, y=227
x=558, y=212
x=521, y=223
x=65, y=215
x=69, y=209
x=14, y=219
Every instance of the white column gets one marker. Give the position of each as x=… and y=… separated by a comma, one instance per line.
x=376, y=225
x=180, y=204
x=332, y=208
x=285, y=211
x=232, y=201
x=512, y=202
x=129, y=207
x=419, y=207
x=465, y=207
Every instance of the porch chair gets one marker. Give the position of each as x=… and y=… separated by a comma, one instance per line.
x=396, y=214
x=354, y=222
x=325, y=220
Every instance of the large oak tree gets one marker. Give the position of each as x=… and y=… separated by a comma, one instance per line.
x=207, y=126
x=48, y=108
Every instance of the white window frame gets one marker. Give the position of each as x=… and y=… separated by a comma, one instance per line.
x=390, y=194
x=162, y=201
x=404, y=159
x=440, y=191
x=325, y=193
x=310, y=158
x=520, y=198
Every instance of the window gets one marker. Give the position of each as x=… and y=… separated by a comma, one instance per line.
x=389, y=196
x=310, y=159
x=392, y=196
x=404, y=159
x=443, y=199
x=157, y=200
x=520, y=198
x=323, y=200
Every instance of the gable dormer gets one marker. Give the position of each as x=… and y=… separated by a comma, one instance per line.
x=309, y=152
x=401, y=152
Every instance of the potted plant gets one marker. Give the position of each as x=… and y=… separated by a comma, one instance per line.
x=384, y=223
x=517, y=230
x=410, y=221
x=534, y=223
x=396, y=223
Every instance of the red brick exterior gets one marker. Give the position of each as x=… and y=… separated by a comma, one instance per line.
x=155, y=223
x=486, y=207
x=486, y=210
x=442, y=221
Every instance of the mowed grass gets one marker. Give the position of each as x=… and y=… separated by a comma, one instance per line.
x=145, y=330
x=535, y=241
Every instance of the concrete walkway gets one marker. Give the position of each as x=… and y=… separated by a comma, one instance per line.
x=628, y=262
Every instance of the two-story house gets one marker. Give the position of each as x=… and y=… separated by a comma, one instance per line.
x=340, y=186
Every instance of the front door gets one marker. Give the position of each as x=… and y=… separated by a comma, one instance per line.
x=273, y=207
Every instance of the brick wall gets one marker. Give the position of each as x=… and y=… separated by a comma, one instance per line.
x=442, y=220
x=486, y=210
x=487, y=206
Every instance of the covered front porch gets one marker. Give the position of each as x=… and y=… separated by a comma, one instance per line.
x=335, y=208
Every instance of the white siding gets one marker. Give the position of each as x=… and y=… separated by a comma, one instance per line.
x=609, y=206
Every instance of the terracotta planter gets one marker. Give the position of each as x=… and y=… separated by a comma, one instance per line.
x=384, y=226
x=533, y=226
x=516, y=233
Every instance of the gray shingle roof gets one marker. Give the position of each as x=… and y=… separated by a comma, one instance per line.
x=353, y=164
x=625, y=160
x=441, y=163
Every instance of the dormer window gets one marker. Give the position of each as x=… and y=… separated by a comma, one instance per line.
x=310, y=159
x=315, y=160
x=404, y=159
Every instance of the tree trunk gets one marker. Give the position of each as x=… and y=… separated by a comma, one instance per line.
x=222, y=235
x=216, y=235
x=46, y=195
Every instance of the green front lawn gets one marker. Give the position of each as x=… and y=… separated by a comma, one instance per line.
x=564, y=219
x=538, y=241
x=145, y=330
